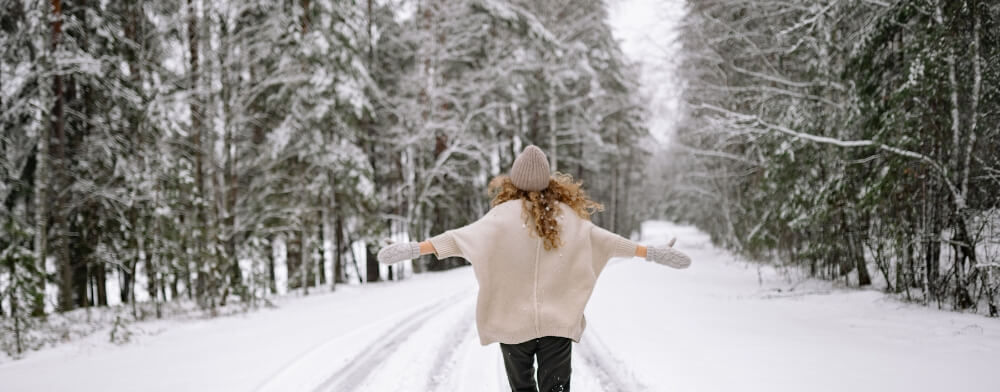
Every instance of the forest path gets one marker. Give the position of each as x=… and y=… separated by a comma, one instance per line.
x=720, y=325
x=436, y=348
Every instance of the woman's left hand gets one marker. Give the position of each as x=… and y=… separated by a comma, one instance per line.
x=399, y=252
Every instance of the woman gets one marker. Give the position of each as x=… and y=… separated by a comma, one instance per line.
x=536, y=256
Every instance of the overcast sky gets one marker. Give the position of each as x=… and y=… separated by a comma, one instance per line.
x=646, y=29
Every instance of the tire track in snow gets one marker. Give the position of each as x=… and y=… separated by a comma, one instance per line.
x=476, y=367
x=423, y=358
x=447, y=358
x=352, y=375
x=468, y=365
x=602, y=364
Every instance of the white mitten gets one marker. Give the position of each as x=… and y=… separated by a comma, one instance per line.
x=668, y=256
x=399, y=252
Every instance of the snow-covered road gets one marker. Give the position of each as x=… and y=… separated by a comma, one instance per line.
x=721, y=325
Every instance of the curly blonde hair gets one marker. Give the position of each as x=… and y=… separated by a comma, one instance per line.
x=543, y=206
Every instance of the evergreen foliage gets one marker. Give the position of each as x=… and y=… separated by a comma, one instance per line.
x=843, y=136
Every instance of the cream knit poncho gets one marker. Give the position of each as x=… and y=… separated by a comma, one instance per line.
x=526, y=291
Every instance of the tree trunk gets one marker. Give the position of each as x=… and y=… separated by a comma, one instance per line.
x=42, y=175
x=292, y=259
x=854, y=250
x=197, y=155
x=100, y=276
x=125, y=282
x=338, y=262
x=271, y=279
x=41, y=218
x=864, y=278
x=14, y=310
x=372, y=274
x=58, y=133
x=322, y=237
x=304, y=259
x=229, y=222
x=354, y=261
x=186, y=261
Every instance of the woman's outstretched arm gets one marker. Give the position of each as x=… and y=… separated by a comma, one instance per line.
x=426, y=248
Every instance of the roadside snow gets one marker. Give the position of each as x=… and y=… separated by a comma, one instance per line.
x=712, y=327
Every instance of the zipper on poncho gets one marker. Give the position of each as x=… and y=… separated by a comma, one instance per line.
x=537, y=251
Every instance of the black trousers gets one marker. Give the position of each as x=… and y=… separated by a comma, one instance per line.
x=553, y=364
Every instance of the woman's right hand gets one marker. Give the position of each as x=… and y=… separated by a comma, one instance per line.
x=667, y=255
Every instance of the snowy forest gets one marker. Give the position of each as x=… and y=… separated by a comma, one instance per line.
x=857, y=139
x=208, y=156
x=158, y=151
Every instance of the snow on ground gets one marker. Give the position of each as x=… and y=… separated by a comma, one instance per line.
x=712, y=327
x=720, y=325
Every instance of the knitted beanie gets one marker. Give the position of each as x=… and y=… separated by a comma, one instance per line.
x=531, y=170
